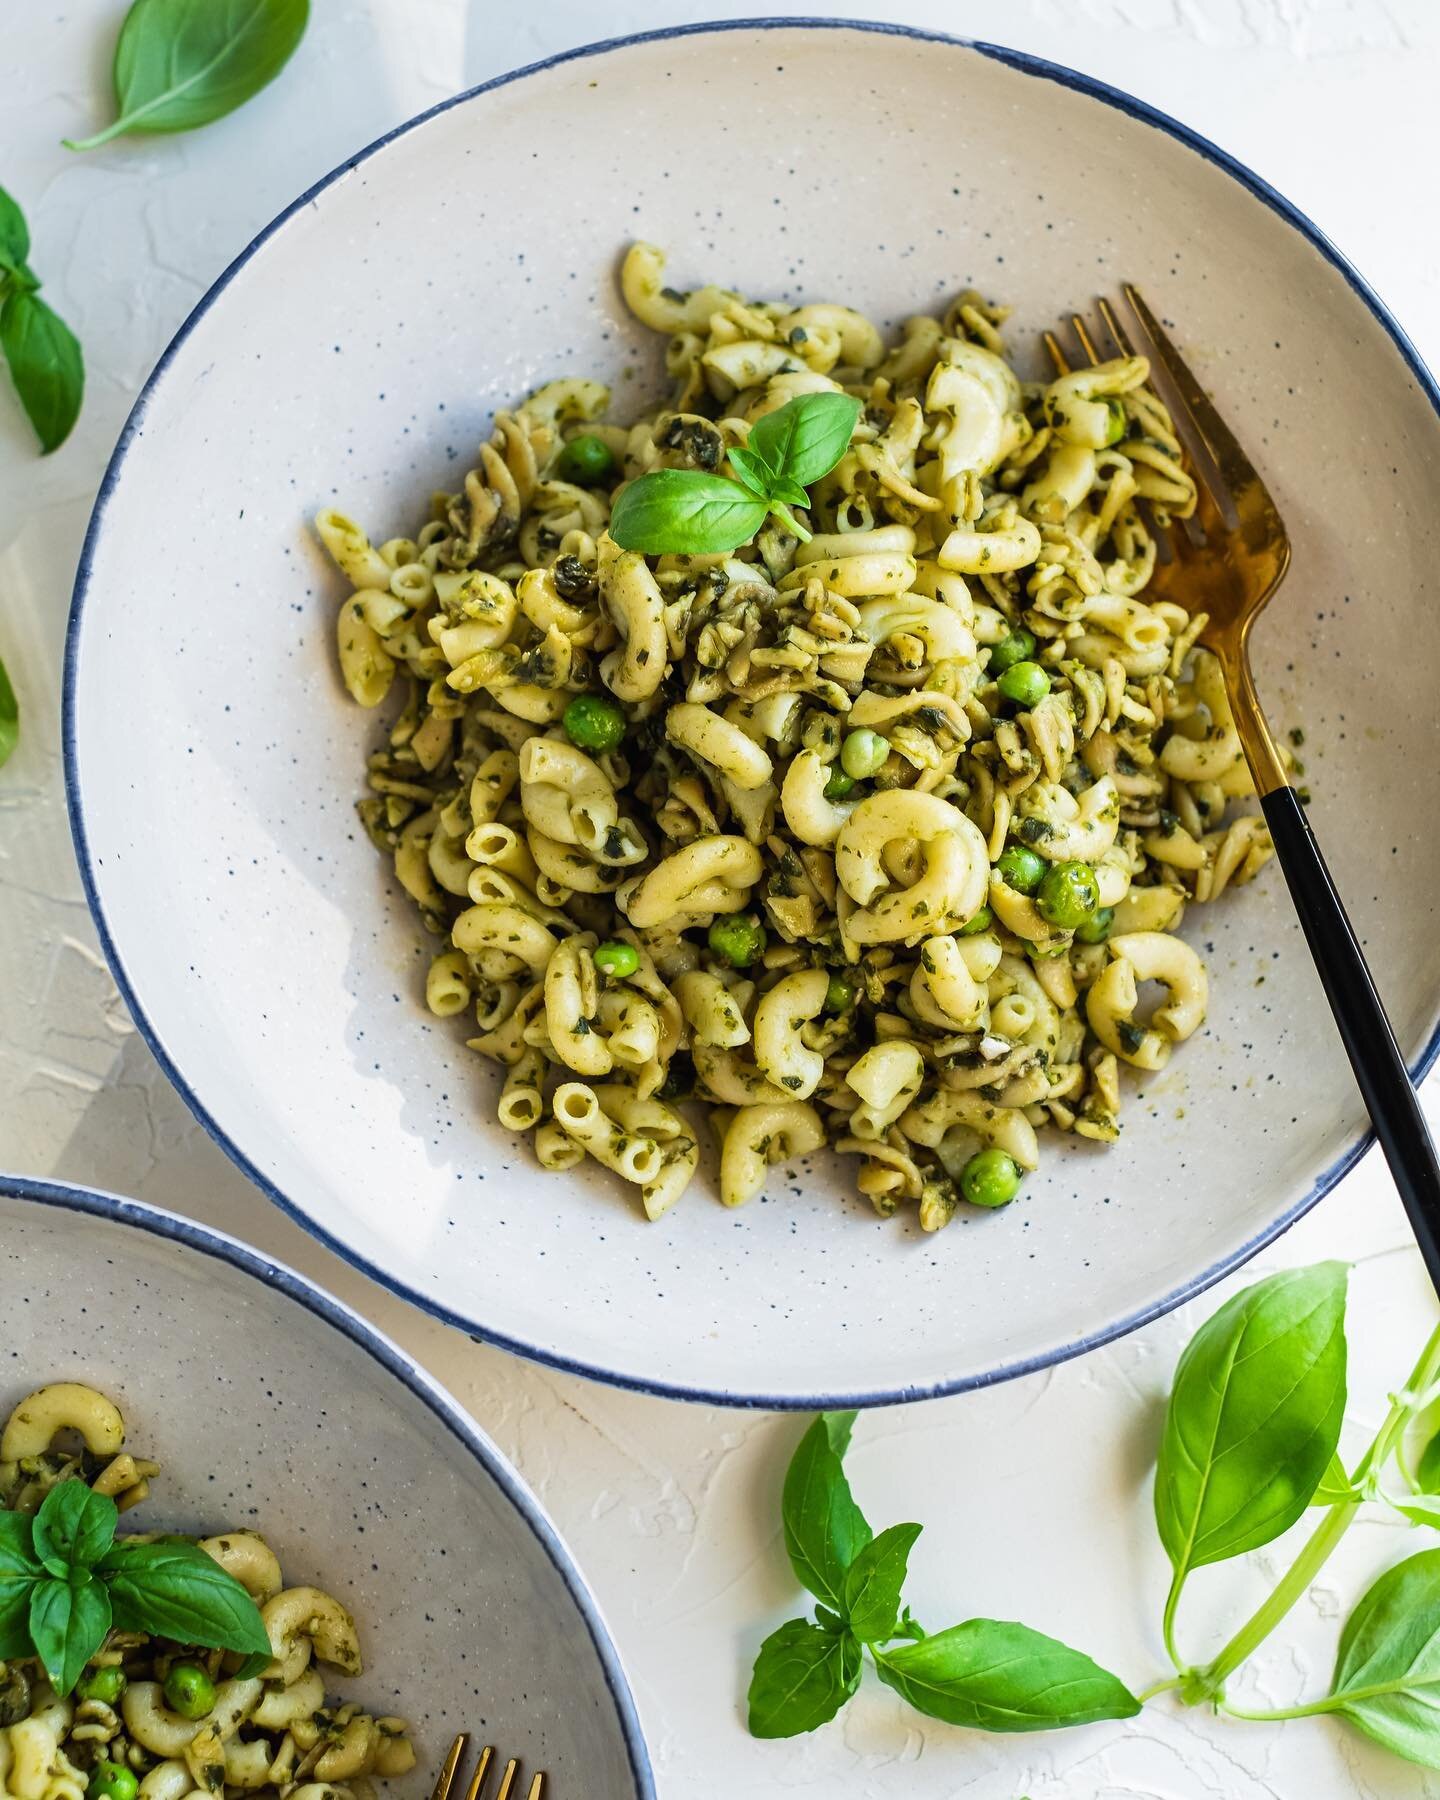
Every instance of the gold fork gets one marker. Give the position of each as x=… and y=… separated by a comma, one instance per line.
x=1227, y=564
x=509, y=1781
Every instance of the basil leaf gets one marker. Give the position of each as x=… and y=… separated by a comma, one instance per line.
x=752, y=472
x=173, y=1589
x=1427, y=1470
x=9, y=726
x=838, y=1426
x=789, y=491
x=68, y=1623
x=1419, y=1509
x=995, y=1676
x=1387, y=1669
x=803, y=1675
x=19, y=1571
x=1254, y=1417
x=182, y=63
x=873, y=1583
x=74, y=1526
x=805, y=438
x=45, y=365
x=681, y=512
x=14, y=235
x=824, y=1529
x=1335, y=1485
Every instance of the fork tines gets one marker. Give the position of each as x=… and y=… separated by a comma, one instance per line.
x=508, y=1789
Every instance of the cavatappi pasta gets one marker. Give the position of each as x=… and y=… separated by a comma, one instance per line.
x=275, y=1733
x=901, y=986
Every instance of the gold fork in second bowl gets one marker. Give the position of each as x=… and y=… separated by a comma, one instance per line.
x=1228, y=568
x=509, y=1788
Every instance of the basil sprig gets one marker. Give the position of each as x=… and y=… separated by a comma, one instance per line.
x=986, y=1673
x=64, y=1581
x=40, y=350
x=1250, y=1444
x=685, y=512
x=181, y=63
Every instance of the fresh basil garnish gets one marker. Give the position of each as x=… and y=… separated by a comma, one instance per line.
x=1387, y=1669
x=9, y=717
x=1254, y=1419
x=993, y=1675
x=824, y=1529
x=19, y=1571
x=1335, y=1485
x=14, y=236
x=805, y=438
x=181, y=63
x=64, y=1581
x=685, y=512
x=41, y=352
x=873, y=1583
x=73, y=1528
x=173, y=1589
x=68, y=1622
x=1427, y=1469
x=803, y=1675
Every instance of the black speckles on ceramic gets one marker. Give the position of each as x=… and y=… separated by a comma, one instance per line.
x=272, y=1407
x=215, y=759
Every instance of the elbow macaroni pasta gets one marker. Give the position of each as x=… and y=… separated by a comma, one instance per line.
x=272, y=1734
x=909, y=1004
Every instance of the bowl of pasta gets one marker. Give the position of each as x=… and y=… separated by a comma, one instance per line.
x=639, y=787
x=250, y=1475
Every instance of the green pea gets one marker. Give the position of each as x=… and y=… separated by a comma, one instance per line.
x=840, y=995
x=586, y=460
x=594, y=722
x=990, y=1178
x=1020, y=868
x=1096, y=928
x=189, y=1691
x=839, y=785
x=982, y=921
x=106, y=1684
x=112, y=1781
x=1018, y=646
x=863, y=752
x=616, y=959
x=1117, y=424
x=1068, y=895
x=1026, y=683
x=739, y=940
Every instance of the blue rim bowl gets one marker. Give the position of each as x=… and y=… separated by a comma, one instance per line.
x=658, y=1383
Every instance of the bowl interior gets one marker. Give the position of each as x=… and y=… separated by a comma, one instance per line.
x=266, y=1415
x=355, y=357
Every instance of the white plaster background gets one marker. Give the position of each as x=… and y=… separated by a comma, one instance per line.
x=1036, y=1494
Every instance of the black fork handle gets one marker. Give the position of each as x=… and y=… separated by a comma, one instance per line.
x=1365, y=1031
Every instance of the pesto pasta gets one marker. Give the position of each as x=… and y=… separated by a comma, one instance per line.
x=152, y=1718
x=871, y=831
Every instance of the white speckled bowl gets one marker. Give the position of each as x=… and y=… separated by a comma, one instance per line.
x=354, y=354
x=272, y=1406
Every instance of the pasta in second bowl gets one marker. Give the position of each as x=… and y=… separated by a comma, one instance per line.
x=288, y=1436
x=284, y=990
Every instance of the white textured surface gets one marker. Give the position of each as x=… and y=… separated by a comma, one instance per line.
x=1036, y=1495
